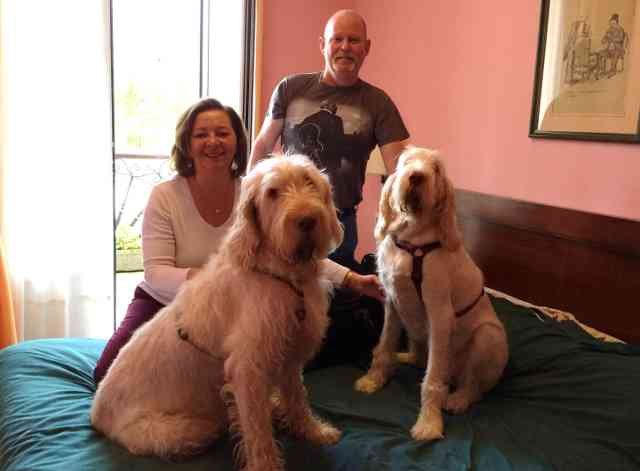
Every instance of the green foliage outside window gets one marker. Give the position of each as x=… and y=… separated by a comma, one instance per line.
x=127, y=238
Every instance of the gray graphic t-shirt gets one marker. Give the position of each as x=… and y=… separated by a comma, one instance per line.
x=337, y=127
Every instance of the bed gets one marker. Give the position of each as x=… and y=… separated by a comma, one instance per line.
x=568, y=401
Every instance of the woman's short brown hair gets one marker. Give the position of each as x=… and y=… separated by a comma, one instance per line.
x=180, y=151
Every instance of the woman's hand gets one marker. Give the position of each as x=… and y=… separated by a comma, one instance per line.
x=369, y=285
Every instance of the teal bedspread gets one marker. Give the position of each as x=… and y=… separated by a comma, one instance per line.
x=567, y=402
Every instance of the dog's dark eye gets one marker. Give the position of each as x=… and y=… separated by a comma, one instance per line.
x=272, y=193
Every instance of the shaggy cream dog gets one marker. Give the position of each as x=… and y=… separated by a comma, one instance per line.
x=237, y=335
x=436, y=292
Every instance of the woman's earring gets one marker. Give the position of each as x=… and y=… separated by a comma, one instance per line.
x=234, y=165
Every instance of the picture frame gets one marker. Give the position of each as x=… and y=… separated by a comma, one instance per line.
x=587, y=78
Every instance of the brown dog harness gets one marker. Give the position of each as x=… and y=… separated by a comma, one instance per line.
x=418, y=252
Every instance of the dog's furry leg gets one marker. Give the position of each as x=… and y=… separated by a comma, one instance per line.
x=435, y=387
x=383, y=364
x=430, y=424
x=250, y=414
x=297, y=415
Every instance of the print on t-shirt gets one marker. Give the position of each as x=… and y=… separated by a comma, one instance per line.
x=329, y=134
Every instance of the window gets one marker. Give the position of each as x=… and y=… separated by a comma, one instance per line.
x=167, y=54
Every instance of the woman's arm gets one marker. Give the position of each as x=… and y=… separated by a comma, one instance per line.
x=369, y=285
x=159, y=246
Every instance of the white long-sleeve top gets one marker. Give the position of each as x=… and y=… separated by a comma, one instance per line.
x=175, y=238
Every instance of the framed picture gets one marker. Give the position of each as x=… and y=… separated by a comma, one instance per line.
x=587, y=81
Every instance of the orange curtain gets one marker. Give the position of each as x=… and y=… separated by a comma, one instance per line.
x=7, y=322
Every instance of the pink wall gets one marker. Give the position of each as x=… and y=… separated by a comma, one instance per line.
x=461, y=73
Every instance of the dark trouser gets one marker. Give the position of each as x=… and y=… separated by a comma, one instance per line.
x=356, y=321
x=345, y=253
x=142, y=308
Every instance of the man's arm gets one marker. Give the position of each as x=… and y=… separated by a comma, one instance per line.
x=390, y=153
x=266, y=140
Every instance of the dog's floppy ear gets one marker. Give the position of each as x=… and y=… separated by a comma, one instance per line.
x=386, y=214
x=243, y=238
x=445, y=208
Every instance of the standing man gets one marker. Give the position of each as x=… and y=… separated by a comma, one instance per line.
x=613, y=43
x=336, y=119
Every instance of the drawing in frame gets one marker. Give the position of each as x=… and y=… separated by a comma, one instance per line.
x=587, y=80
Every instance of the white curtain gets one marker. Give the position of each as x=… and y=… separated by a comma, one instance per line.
x=56, y=211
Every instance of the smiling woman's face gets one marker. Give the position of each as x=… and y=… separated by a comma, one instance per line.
x=213, y=142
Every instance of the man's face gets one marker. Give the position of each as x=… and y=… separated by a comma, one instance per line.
x=344, y=48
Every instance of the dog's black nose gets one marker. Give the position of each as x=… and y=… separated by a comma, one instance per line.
x=306, y=224
x=416, y=178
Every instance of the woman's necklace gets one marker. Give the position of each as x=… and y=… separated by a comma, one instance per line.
x=216, y=206
x=219, y=205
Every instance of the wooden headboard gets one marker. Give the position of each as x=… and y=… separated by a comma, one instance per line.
x=583, y=263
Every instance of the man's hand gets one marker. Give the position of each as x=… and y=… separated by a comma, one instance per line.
x=369, y=285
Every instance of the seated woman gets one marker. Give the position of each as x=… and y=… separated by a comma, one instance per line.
x=187, y=217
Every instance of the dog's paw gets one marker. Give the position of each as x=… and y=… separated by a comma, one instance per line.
x=324, y=434
x=369, y=384
x=429, y=428
x=458, y=402
x=406, y=357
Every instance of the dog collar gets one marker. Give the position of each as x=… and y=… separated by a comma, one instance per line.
x=418, y=252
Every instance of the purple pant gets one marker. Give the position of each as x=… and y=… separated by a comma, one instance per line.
x=142, y=308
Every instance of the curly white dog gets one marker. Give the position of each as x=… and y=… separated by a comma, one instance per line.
x=436, y=291
x=237, y=335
